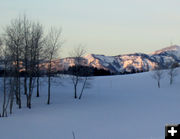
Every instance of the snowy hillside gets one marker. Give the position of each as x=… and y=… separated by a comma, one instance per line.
x=174, y=49
x=115, y=107
x=136, y=62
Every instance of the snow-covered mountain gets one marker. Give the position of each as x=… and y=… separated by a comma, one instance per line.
x=174, y=49
x=136, y=62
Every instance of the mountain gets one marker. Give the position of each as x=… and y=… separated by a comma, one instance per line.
x=127, y=63
x=174, y=49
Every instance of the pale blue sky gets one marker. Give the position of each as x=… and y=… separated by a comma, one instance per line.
x=109, y=27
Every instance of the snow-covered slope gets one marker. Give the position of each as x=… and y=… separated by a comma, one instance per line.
x=123, y=63
x=136, y=62
x=174, y=49
x=115, y=107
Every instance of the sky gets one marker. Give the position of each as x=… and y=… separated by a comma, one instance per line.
x=109, y=27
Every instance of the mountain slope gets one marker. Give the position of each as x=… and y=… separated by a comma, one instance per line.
x=174, y=49
x=128, y=63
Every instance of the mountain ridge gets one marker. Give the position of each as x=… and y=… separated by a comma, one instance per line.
x=125, y=63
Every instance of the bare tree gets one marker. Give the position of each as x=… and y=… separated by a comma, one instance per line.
x=40, y=54
x=32, y=51
x=158, y=75
x=5, y=63
x=53, y=45
x=24, y=41
x=8, y=84
x=33, y=59
x=11, y=92
x=76, y=76
x=173, y=72
x=74, y=137
x=14, y=41
x=27, y=34
x=86, y=73
x=26, y=47
x=1, y=55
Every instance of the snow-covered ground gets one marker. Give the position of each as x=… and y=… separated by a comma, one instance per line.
x=115, y=107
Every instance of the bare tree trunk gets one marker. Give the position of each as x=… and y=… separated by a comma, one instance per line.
x=84, y=84
x=8, y=87
x=49, y=89
x=37, y=74
x=16, y=92
x=49, y=81
x=11, y=95
x=11, y=86
x=52, y=46
x=11, y=102
x=29, y=101
x=75, y=91
x=74, y=137
x=19, y=91
x=37, y=95
x=171, y=80
x=4, y=101
x=18, y=80
x=158, y=75
x=18, y=99
x=25, y=84
x=158, y=84
x=75, y=87
x=29, y=94
x=75, y=82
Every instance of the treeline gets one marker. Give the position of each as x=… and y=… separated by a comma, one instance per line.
x=24, y=44
x=88, y=71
